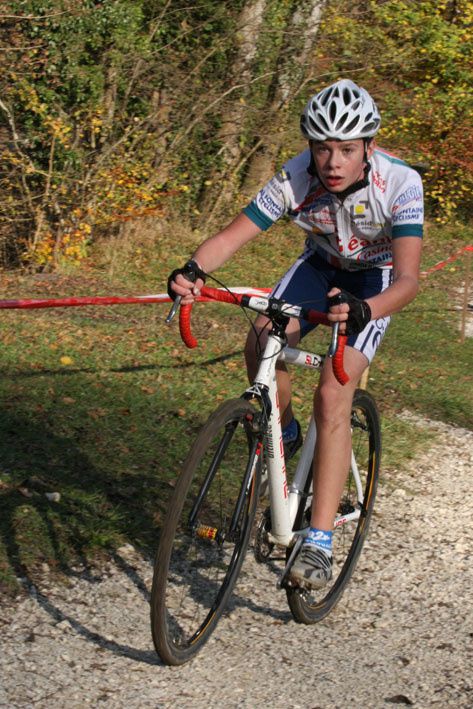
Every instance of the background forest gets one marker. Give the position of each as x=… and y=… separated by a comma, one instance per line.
x=115, y=109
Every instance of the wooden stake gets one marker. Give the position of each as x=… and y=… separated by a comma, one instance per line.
x=466, y=293
x=364, y=379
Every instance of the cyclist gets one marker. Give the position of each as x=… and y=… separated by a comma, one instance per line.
x=362, y=212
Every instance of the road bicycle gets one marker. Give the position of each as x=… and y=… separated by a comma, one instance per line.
x=209, y=521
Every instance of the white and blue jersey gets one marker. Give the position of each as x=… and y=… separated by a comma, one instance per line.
x=349, y=240
x=352, y=233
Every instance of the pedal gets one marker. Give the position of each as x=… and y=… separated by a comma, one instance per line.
x=284, y=581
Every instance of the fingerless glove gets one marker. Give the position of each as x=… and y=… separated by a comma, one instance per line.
x=191, y=270
x=359, y=314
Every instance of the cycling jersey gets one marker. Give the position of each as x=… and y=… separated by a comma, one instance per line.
x=352, y=233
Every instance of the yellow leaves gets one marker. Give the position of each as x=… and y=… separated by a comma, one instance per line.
x=66, y=361
x=41, y=252
x=96, y=124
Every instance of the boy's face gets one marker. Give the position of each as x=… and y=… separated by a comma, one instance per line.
x=340, y=163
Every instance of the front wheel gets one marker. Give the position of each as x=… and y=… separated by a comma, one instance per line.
x=353, y=517
x=206, y=532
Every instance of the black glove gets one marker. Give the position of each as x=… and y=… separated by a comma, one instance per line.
x=191, y=270
x=359, y=314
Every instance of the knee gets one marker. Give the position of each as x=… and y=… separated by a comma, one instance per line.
x=332, y=406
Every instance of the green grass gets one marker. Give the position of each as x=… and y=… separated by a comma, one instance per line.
x=100, y=404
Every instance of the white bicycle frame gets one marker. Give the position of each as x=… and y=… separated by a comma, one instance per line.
x=284, y=501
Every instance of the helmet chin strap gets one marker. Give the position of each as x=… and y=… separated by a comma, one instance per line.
x=355, y=186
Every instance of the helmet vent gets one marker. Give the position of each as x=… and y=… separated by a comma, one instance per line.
x=320, y=122
x=323, y=100
x=351, y=126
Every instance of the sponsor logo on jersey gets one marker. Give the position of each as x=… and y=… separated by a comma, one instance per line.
x=379, y=181
x=359, y=210
x=374, y=255
x=268, y=203
x=409, y=214
x=368, y=224
x=412, y=194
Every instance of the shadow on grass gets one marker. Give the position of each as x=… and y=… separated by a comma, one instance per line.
x=126, y=369
x=94, y=513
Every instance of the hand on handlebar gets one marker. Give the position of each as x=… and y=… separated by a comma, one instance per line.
x=351, y=312
x=186, y=282
x=184, y=285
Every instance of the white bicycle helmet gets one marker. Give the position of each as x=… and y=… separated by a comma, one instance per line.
x=342, y=111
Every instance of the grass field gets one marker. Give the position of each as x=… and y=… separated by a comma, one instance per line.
x=100, y=404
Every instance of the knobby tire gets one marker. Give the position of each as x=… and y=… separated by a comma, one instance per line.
x=312, y=606
x=199, y=557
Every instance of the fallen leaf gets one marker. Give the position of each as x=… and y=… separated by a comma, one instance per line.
x=96, y=413
x=148, y=390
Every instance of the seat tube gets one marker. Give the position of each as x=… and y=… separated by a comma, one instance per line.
x=304, y=469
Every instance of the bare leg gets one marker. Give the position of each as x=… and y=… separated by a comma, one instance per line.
x=332, y=407
x=255, y=344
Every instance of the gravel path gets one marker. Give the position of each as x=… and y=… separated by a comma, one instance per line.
x=401, y=635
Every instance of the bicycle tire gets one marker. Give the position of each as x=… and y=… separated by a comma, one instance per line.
x=312, y=606
x=198, y=558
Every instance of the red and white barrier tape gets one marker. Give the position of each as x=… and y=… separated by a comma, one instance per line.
x=31, y=303
x=441, y=264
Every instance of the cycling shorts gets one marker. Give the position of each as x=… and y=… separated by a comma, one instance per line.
x=310, y=278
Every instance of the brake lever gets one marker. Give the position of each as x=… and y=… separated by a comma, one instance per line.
x=334, y=341
x=174, y=309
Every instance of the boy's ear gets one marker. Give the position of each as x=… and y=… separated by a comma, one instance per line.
x=371, y=147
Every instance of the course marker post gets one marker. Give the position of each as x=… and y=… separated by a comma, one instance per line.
x=466, y=293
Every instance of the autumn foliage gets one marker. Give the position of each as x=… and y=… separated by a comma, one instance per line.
x=111, y=110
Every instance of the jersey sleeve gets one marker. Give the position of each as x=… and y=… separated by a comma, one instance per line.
x=271, y=202
x=408, y=208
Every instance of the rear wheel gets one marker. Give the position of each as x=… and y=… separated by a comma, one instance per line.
x=353, y=517
x=206, y=532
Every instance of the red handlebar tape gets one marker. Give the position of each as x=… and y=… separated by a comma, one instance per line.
x=212, y=294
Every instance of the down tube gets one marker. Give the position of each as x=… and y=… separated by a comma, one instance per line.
x=281, y=529
x=274, y=451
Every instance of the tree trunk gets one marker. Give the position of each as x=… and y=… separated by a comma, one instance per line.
x=293, y=70
x=222, y=181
